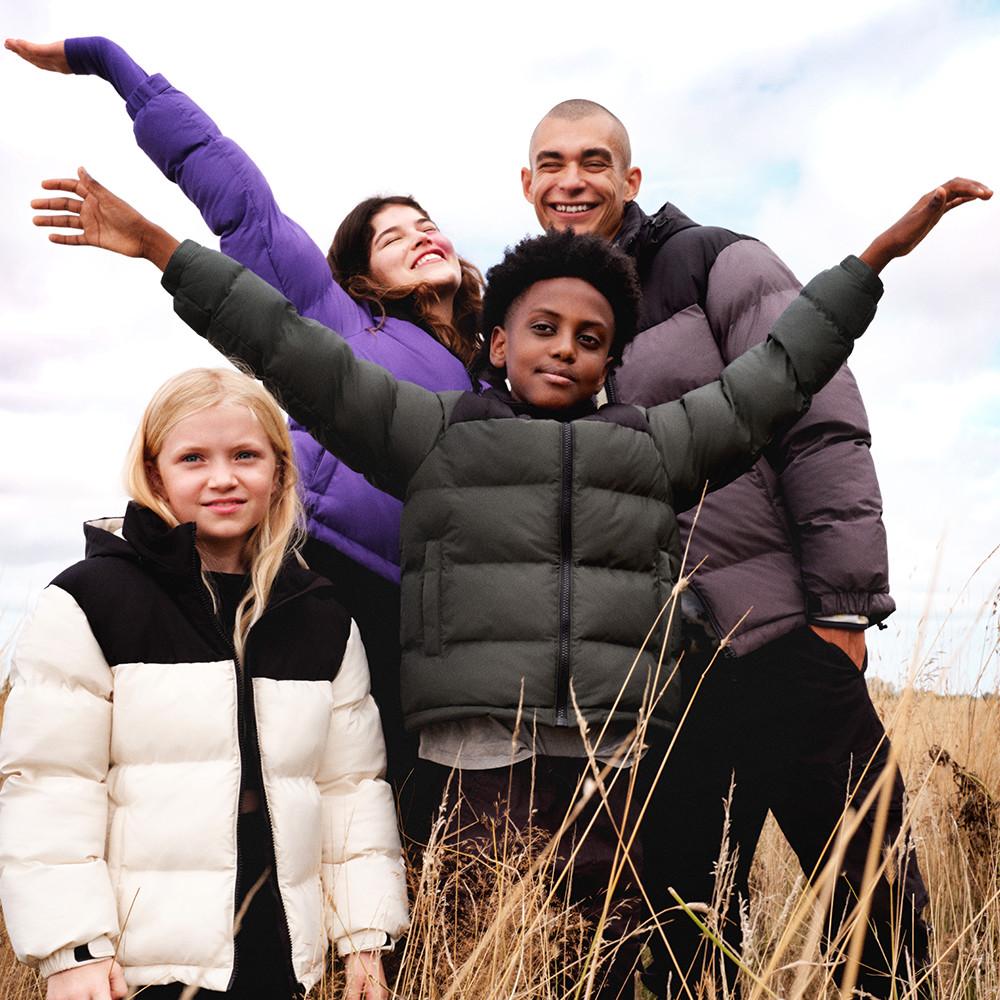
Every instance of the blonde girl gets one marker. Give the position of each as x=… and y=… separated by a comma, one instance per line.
x=193, y=761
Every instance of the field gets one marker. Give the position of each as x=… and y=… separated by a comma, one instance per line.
x=518, y=941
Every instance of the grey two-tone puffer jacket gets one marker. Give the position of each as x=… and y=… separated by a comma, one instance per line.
x=536, y=551
x=799, y=536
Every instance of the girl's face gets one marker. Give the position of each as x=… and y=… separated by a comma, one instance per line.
x=407, y=248
x=217, y=470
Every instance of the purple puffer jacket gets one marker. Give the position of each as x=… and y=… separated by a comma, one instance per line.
x=344, y=510
x=798, y=539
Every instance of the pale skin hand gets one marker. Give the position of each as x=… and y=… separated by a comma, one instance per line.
x=364, y=978
x=50, y=56
x=97, y=981
x=104, y=221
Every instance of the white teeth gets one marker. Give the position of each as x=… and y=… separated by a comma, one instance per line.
x=428, y=258
x=573, y=209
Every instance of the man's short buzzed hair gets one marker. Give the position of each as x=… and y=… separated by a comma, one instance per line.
x=577, y=108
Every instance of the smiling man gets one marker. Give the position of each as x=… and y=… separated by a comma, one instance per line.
x=795, y=566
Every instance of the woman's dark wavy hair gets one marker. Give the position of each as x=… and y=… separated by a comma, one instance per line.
x=350, y=262
x=562, y=255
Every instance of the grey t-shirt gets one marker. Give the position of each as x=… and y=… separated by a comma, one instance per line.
x=484, y=742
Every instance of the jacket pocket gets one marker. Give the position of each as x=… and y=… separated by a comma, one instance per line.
x=430, y=598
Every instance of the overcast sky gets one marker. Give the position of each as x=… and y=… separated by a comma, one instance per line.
x=810, y=131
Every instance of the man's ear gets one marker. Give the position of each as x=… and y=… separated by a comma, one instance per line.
x=633, y=178
x=526, y=182
x=498, y=347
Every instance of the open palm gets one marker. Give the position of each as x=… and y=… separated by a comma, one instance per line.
x=102, y=218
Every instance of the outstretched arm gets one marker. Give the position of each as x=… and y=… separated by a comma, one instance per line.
x=714, y=432
x=380, y=426
x=223, y=182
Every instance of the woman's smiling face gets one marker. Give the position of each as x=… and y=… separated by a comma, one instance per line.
x=407, y=249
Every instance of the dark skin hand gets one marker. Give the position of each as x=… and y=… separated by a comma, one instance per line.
x=104, y=221
x=901, y=237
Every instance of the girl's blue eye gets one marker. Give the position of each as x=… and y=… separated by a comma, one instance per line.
x=190, y=458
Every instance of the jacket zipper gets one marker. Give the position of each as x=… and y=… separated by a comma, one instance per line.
x=240, y=743
x=565, y=575
x=272, y=882
x=254, y=760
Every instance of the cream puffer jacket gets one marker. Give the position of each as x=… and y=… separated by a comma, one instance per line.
x=125, y=738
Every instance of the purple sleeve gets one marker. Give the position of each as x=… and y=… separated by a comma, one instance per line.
x=96, y=56
x=225, y=185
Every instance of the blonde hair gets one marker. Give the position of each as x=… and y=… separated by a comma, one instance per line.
x=281, y=530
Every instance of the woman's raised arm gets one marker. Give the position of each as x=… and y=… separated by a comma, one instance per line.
x=221, y=180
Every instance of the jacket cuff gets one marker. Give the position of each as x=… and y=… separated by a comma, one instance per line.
x=98, y=950
x=369, y=940
x=180, y=258
x=868, y=279
x=873, y=606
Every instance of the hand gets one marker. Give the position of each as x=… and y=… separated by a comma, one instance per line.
x=51, y=56
x=899, y=239
x=97, y=981
x=851, y=641
x=104, y=219
x=364, y=978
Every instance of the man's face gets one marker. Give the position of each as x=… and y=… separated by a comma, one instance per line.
x=578, y=176
x=554, y=343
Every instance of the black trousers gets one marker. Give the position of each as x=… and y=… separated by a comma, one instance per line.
x=537, y=794
x=794, y=724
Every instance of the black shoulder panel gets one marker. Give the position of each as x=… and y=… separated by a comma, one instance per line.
x=472, y=406
x=134, y=618
x=302, y=639
x=675, y=276
x=622, y=415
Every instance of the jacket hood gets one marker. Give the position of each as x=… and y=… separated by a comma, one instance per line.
x=143, y=536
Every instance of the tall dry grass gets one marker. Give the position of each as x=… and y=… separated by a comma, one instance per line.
x=490, y=924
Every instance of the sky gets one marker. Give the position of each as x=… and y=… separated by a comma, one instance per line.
x=809, y=130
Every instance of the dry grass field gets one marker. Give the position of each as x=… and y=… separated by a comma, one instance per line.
x=515, y=942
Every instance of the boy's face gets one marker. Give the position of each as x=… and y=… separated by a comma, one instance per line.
x=555, y=342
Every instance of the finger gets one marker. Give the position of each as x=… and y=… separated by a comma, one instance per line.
x=62, y=184
x=69, y=239
x=87, y=179
x=57, y=204
x=955, y=202
x=965, y=186
x=59, y=221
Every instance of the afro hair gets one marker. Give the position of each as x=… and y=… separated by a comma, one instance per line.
x=564, y=255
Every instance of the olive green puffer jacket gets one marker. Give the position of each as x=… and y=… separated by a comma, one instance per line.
x=537, y=551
